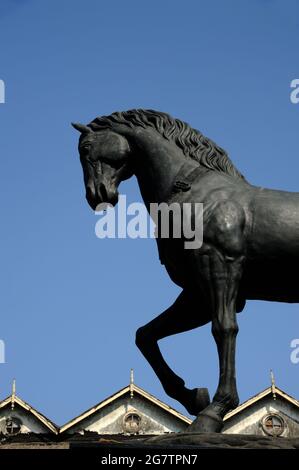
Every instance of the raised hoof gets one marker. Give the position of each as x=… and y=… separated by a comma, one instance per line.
x=207, y=421
x=199, y=400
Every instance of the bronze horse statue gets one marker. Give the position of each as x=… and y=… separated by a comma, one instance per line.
x=250, y=243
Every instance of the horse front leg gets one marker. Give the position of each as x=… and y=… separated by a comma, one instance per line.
x=181, y=316
x=218, y=266
x=223, y=275
x=225, y=329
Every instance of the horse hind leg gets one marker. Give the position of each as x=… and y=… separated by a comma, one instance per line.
x=181, y=316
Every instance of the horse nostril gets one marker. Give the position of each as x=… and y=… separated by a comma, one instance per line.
x=90, y=193
x=103, y=192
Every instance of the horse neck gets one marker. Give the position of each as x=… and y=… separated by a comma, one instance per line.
x=157, y=161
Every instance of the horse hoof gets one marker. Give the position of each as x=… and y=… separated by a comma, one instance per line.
x=199, y=400
x=207, y=421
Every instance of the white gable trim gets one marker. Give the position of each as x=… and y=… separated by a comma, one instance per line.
x=259, y=396
x=15, y=399
x=129, y=389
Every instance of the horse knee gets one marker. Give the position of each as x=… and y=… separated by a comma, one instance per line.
x=142, y=337
x=224, y=329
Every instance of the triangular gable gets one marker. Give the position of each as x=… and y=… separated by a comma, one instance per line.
x=14, y=401
x=130, y=390
x=267, y=392
x=271, y=412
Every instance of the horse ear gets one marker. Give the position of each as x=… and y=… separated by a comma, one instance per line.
x=81, y=128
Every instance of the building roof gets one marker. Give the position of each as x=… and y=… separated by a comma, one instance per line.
x=130, y=389
x=14, y=399
x=273, y=390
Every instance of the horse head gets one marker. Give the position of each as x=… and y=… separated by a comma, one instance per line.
x=105, y=161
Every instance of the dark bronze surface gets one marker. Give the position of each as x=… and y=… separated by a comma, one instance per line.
x=250, y=238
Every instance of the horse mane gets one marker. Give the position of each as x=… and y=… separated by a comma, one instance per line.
x=192, y=142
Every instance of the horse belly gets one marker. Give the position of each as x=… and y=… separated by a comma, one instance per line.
x=270, y=280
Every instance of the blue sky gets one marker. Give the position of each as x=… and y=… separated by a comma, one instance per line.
x=70, y=303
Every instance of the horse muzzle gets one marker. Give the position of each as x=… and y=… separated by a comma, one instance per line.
x=101, y=194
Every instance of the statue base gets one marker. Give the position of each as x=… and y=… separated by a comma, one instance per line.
x=210, y=441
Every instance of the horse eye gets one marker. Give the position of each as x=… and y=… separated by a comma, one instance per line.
x=85, y=149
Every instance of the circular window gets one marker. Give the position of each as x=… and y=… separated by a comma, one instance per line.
x=273, y=425
x=13, y=425
x=132, y=422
